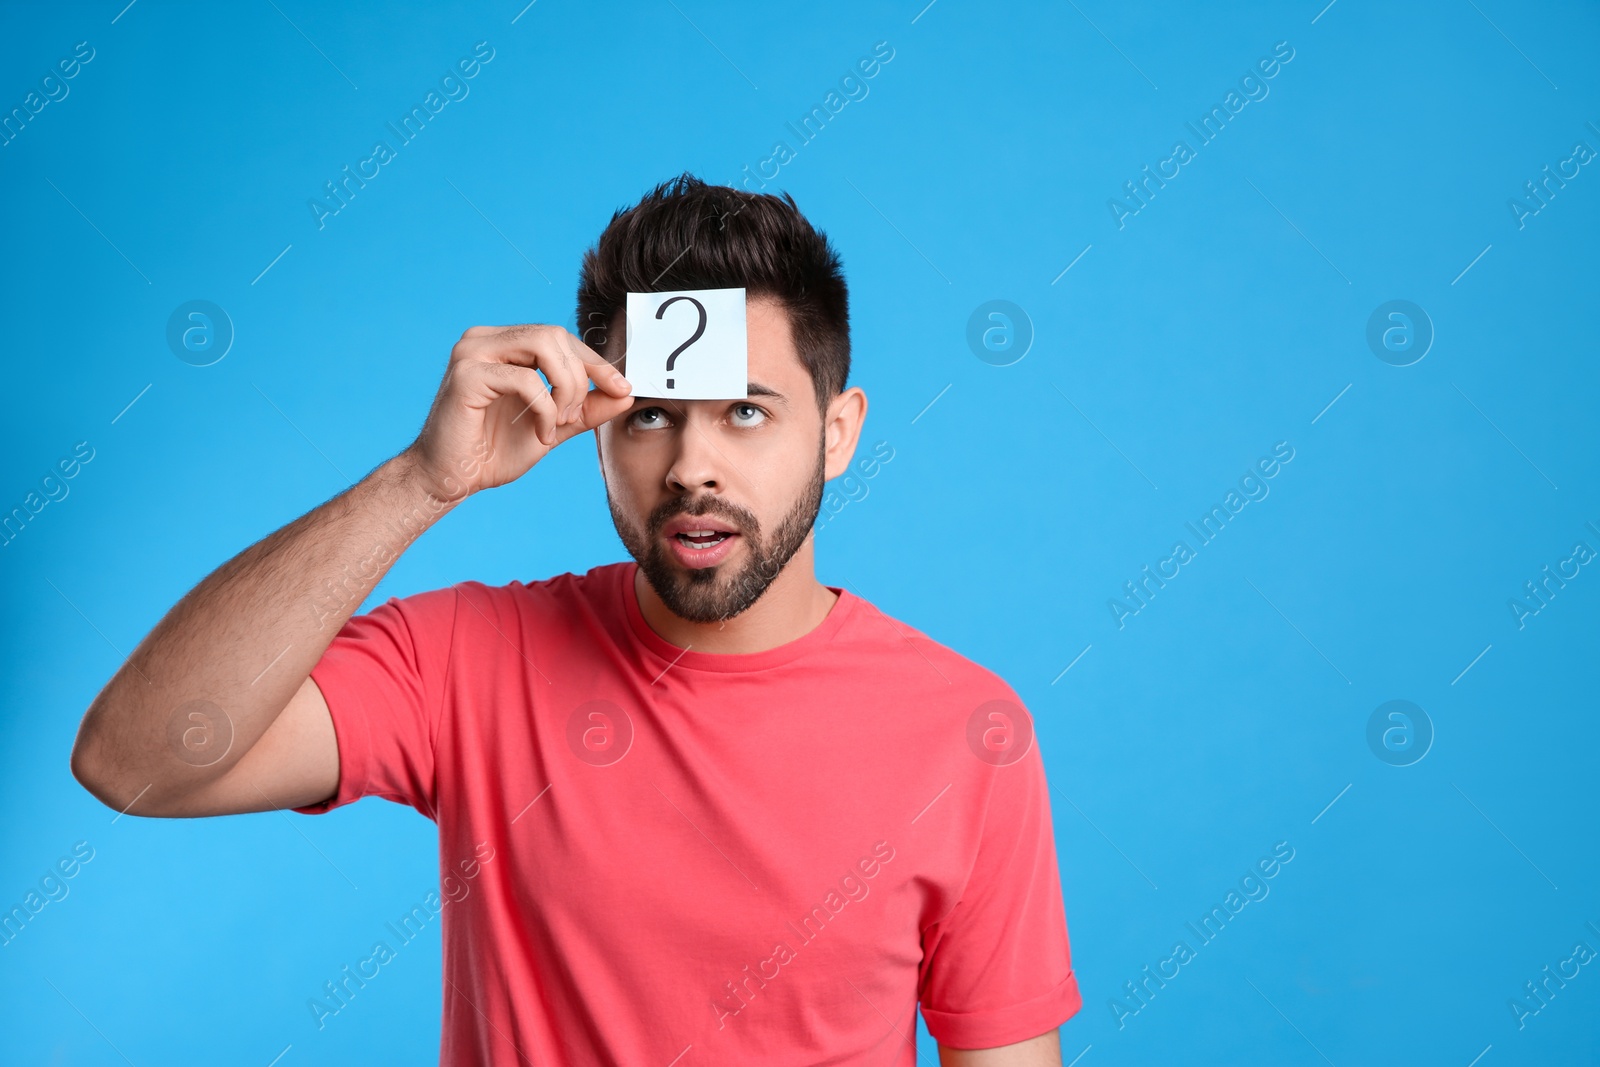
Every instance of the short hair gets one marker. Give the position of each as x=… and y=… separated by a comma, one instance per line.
x=687, y=234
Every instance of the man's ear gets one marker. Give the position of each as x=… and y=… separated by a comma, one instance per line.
x=841, y=430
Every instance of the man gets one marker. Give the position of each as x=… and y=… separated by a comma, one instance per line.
x=712, y=811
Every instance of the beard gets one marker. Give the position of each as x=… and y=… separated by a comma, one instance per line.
x=714, y=594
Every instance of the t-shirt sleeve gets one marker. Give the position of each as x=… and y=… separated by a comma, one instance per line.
x=997, y=969
x=383, y=677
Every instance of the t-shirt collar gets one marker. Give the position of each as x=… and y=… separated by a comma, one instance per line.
x=729, y=662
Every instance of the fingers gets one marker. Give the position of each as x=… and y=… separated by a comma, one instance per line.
x=590, y=365
x=490, y=381
x=598, y=407
x=599, y=369
x=566, y=362
x=566, y=373
x=533, y=347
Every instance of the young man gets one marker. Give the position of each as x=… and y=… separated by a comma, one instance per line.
x=711, y=810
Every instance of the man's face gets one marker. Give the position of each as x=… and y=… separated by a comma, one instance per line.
x=713, y=497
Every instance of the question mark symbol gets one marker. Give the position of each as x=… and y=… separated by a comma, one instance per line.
x=699, y=331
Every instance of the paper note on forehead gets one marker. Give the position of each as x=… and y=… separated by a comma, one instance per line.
x=688, y=344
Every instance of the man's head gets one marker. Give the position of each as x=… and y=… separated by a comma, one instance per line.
x=752, y=468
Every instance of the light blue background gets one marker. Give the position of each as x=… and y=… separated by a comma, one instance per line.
x=1223, y=718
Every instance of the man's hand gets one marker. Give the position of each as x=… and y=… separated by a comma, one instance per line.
x=494, y=418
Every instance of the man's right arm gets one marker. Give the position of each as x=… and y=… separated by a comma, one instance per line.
x=215, y=712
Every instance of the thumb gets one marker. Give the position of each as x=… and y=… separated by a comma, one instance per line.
x=598, y=407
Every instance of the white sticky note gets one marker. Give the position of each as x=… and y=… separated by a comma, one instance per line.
x=688, y=345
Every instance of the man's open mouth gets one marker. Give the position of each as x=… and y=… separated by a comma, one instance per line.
x=703, y=538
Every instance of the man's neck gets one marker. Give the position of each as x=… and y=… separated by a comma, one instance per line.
x=791, y=607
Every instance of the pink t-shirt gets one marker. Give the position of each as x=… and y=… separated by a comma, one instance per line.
x=657, y=856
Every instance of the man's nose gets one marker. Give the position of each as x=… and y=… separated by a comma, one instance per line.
x=698, y=462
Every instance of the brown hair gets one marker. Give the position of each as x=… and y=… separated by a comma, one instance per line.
x=686, y=234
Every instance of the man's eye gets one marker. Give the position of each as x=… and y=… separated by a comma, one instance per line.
x=648, y=419
x=748, y=415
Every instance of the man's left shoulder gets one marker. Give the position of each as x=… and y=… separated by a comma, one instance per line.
x=935, y=663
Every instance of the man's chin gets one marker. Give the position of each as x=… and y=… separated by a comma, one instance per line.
x=703, y=594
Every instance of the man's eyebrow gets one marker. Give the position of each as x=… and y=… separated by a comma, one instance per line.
x=757, y=389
